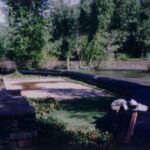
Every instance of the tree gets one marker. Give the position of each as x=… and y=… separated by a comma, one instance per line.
x=86, y=32
x=64, y=31
x=26, y=23
x=144, y=30
x=94, y=24
x=4, y=42
x=94, y=52
x=130, y=20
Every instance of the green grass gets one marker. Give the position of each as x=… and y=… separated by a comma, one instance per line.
x=77, y=120
x=78, y=113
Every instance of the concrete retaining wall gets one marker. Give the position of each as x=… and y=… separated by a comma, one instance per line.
x=17, y=121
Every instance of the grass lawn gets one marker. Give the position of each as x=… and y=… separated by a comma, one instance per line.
x=77, y=120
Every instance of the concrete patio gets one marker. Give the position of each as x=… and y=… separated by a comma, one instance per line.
x=55, y=87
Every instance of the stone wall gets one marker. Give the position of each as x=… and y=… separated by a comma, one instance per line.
x=17, y=121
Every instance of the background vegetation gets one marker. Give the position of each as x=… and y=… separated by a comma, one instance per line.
x=89, y=32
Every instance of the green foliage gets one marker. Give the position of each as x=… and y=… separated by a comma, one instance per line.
x=105, y=13
x=129, y=20
x=93, y=51
x=94, y=27
x=4, y=43
x=42, y=30
x=26, y=32
x=44, y=106
x=121, y=56
x=88, y=20
x=63, y=22
x=53, y=133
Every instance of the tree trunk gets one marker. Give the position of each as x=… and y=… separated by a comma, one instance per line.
x=80, y=64
x=78, y=48
x=142, y=53
x=68, y=62
x=90, y=64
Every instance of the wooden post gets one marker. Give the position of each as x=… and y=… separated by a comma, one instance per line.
x=131, y=126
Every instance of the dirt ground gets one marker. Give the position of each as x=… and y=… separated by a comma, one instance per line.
x=57, y=88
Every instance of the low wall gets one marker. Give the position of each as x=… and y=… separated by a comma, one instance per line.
x=17, y=121
x=110, y=65
x=130, y=90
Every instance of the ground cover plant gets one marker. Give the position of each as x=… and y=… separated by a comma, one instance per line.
x=72, y=123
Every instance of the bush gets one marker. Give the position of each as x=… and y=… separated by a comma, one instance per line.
x=44, y=106
x=122, y=56
x=55, y=134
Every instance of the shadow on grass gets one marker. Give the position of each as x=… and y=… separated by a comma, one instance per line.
x=100, y=104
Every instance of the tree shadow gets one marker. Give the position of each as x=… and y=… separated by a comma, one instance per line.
x=75, y=92
x=70, y=92
x=100, y=104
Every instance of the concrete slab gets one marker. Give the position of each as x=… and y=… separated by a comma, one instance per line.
x=57, y=88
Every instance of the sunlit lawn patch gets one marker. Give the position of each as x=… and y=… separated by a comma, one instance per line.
x=77, y=120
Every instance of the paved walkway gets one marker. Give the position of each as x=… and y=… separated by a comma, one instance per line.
x=57, y=88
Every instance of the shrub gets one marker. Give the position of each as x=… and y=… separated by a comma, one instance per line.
x=122, y=56
x=55, y=134
x=44, y=106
